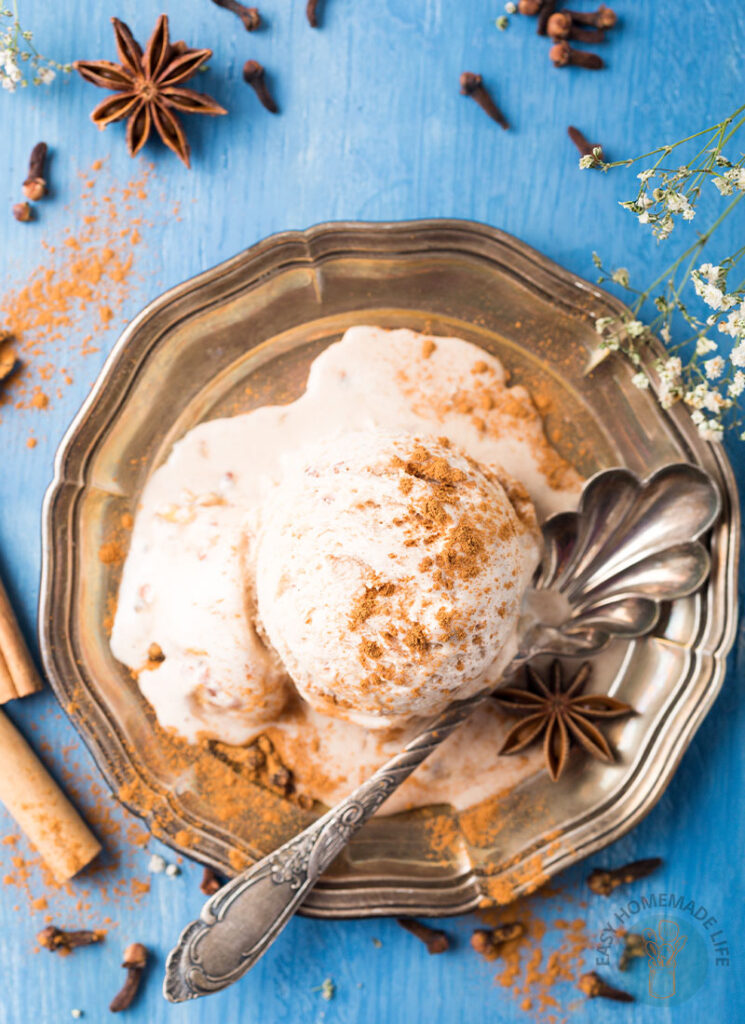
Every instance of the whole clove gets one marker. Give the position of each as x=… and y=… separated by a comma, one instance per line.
x=633, y=946
x=249, y=15
x=473, y=85
x=561, y=26
x=547, y=9
x=435, y=940
x=488, y=941
x=255, y=76
x=8, y=360
x=595, y=987
x=586, y=148
x=603, y=17
x=57, y=940
x=311, y=13
x=604, y=881
x=210, y=882
x=134, y=960
x=35, y=185
x=562, y=55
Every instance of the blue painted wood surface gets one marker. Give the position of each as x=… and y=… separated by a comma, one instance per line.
x=372, y=127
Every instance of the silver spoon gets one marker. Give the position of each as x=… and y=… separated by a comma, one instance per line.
x=630, y=546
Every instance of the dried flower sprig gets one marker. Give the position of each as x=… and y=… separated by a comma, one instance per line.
x=17, y=53
x=705, y=373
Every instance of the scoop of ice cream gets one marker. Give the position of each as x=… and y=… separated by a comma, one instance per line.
x=389, y=574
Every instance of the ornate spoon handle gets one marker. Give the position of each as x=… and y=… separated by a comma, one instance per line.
x=239, y=923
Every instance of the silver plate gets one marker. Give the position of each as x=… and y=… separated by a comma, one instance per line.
x=244, y=334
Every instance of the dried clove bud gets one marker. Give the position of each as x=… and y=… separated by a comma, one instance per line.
x=604, y=881
x=586, y=148
x=633, y=947
x=435, y=940
x=595, y=988
x=473, y=85
x=254, y=75
x=210, y=882
x=561, y=55
x=134, y=960
x=603, y=17
x=488, y=941
x=249, y=15
x=8, y=358
x=22, y=212
x=547, y=9
x=561, y=26
x=35, y=186
x=311, y=13
x=57, y=940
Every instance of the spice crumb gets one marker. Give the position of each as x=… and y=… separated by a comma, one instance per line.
x=156, y=865
x=327, y=990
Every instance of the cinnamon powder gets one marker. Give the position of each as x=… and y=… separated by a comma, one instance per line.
x=67, y=306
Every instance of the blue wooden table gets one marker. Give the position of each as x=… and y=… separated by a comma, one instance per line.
x=372, y=127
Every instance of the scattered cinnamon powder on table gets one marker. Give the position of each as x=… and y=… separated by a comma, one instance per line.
x=66, y=306
x=540, y=967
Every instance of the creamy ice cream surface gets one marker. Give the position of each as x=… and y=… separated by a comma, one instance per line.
x=349, y=561
x=389, y=574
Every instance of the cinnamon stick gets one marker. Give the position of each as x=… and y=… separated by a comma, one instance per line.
x=34, y=799
x=18, y=675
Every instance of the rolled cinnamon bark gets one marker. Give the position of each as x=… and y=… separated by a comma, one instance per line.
x=40, y=807
x=18, y=675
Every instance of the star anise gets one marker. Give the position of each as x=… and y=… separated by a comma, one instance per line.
x=149, y=87
x=559, y=714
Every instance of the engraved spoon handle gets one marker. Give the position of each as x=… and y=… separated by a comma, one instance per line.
x=239, y=923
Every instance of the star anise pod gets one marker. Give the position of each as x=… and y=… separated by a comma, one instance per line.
x=149, y=87
x=559, y=714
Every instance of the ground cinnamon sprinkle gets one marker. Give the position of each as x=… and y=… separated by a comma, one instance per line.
x=541, y=966
x=90, y=269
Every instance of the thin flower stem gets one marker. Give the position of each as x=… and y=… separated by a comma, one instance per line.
x=697, y=245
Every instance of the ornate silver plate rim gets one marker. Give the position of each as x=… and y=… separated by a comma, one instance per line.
x=349, y=894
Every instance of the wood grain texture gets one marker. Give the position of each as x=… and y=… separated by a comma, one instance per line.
x=372, y=127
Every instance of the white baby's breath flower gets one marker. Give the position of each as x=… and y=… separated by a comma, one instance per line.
x=712, y=296
x=737, y=384
x=640, y=380
x=714, y=368
x=704, y=346
x=710, y=273
x=711, y=430
x=714, y=401
x=586, y=162
x=696, y=397
x=635, y=328
x=603, y=323
x=643, y=218
x=665, y=333
x=646, y=175
x=722, y=185
x=737, y=355
x=621, y=276
x=510, y=7
x=672, y=367
x=46, y=75
x=676, y=202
